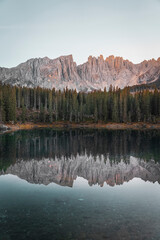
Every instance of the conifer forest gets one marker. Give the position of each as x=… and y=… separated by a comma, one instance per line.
x=21, y=104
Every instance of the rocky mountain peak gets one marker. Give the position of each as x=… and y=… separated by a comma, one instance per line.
x=96, y=73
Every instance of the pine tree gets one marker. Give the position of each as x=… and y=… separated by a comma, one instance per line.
x=115, y=115
x=125, y=108
x=137, y=110
x=35, y=99
x=42, y=114
x=23, y=115
x=50, y=107
x=1, y=104
x=9, y=96
x=95, y=114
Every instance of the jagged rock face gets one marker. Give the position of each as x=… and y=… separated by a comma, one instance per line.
x=64, y=171
x=118, y=72
x=42, y=72
x=94, y=74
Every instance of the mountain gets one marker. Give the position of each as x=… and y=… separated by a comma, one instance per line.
x=64, y=172
x=96, y=73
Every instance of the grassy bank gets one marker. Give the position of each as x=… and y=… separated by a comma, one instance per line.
x=111, y=126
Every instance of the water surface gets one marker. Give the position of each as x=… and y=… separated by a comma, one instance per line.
x=80, y=184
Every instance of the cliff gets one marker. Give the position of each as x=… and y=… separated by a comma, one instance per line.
x=96, y=73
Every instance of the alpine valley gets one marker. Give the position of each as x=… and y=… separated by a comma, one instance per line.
x=96, y=73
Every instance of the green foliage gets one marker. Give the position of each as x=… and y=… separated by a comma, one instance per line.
x=23, y=115
x=116, y=105
x=9, y=103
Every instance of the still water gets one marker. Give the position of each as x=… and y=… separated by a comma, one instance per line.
x=80, y=184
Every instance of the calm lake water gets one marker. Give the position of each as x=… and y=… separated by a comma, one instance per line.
x=80, y=184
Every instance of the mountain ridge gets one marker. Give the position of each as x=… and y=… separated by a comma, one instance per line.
x=96, y=73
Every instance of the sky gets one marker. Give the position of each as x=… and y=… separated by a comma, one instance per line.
x=52, y=28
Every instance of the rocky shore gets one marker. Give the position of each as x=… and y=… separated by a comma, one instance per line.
x=4, y=128
x=110, y=126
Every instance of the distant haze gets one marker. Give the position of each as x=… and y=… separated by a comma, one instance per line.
x=38, y=28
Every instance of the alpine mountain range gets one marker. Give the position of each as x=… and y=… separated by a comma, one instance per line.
x=96, y=73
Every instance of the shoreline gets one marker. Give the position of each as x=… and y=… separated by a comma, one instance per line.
x=68, y=125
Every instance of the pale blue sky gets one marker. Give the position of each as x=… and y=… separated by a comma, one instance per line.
x=39, y=28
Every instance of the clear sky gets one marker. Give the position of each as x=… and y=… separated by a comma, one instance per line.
x=39, y=28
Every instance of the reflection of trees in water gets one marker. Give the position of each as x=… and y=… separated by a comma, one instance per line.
x=56, y=143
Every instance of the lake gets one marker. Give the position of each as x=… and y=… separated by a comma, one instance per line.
x=80, y=184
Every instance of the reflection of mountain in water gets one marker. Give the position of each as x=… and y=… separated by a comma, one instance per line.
x=65, y=171
x=45, y=156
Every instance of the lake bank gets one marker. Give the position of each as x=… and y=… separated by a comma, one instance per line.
x=110, y=126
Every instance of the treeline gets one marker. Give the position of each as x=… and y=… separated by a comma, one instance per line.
x=137, y=88
x=45, y=105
